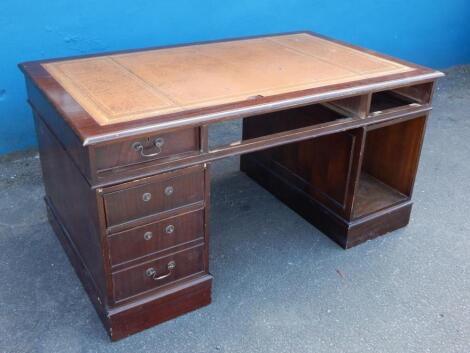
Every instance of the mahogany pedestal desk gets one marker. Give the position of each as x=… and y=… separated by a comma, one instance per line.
x=332, y=130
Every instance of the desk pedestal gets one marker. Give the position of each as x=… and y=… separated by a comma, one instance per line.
x=353, y=185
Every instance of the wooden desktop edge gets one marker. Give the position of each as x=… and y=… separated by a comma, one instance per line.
x=237, y=113
x=219, y=113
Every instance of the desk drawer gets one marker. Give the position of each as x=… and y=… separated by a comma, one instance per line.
x=166, y=192
x=154, y=237
x=154, y=274
x=146, y=148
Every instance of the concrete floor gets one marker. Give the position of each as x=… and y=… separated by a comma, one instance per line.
x=280, y=285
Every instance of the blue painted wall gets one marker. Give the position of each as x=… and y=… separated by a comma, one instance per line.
x=434, y=33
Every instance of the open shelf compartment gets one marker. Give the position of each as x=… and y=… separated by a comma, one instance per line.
x=222, y=134
x=390, y=161
x=401, y=97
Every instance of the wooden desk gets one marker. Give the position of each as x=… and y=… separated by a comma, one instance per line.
x=333, y=130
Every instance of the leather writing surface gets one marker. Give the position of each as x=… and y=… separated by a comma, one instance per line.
x=124, y=87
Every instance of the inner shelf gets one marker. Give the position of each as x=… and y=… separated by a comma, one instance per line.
x=373, y=195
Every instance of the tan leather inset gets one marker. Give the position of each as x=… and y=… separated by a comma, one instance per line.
x=124, y=87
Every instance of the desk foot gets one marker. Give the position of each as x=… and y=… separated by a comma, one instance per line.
x=166, y=305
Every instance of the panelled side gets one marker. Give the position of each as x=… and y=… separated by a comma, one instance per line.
x=74, y=206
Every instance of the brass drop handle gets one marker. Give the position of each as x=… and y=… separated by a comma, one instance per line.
x=151, y=272
x=158, y=143
x=169, y=229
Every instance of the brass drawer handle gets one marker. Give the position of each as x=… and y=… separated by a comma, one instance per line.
x=169, y=229
x=158, y=143
x=151, y=272
x=146, y=196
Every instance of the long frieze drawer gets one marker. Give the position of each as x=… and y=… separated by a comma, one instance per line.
x=154, y=237
x=147, y=148
x=153, y=197
x=154, y=274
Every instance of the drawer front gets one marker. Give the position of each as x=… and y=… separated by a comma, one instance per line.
x=156, y=273
x=154, y=237
x=148, y=148
x=154, y=197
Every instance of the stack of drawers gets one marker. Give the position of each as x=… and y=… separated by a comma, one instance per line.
x=136, y=235
x=156, y=230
